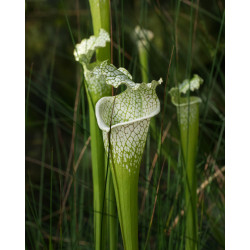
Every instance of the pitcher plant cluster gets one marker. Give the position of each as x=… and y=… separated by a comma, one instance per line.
x=124, y=121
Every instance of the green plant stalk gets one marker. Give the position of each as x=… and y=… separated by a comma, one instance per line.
x=188, y=119
x=95, y=89
x=100, y=12
x=127, y=203
x=111, y=211
x=143, y=57
x=98, y=175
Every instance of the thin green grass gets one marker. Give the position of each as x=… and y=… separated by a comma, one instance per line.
x=43, y=152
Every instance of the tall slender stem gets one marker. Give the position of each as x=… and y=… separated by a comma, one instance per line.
x=101, y=19
x=100, y=12
x=189, y=129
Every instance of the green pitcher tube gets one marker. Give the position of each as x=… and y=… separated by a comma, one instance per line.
x=188, y=119
x=96, y=88
x=124, y=120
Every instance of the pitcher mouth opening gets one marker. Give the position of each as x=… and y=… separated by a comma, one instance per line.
x=106, y=127
x=183, y=101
